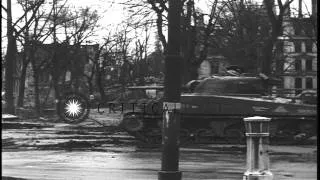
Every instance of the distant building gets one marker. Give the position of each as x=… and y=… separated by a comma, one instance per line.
x=298, y=53
x=216, y=63
x=81, y=67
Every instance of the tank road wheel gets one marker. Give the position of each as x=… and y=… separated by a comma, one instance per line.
x=235, y=135
x=286, y=133
x=306, y=130
x=73, y=107
x=204, y=135
x=154, y=136
x=155, y=140
x=132, y=123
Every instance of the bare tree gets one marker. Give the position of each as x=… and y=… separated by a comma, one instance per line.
x=13, y=32
x=148, y=12
x=82, y=24
x=191, y=38
x=107, y=57
x=276, y=21
x=141, y=54
x=90, y=68
x=200, y=37
x=243, y=29
x=37, y=53
x=122, y=48
x=24, y=40
x=77, y=25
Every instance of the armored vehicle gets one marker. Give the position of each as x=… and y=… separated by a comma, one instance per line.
x=212, y=110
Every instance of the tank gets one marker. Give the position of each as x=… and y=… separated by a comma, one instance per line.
x=212, y=110
x=142, y=112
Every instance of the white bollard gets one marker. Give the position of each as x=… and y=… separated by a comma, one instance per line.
x=257, y=133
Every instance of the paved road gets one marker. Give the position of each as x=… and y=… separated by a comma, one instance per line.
x=54, y=150
x=144, y=165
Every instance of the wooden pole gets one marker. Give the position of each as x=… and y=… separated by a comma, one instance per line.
x=172, y=92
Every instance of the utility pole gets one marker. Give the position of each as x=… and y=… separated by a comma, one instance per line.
x=9, y=64
x=172, y=91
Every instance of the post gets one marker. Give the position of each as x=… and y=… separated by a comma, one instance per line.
x=172, y=91
x=257, y=132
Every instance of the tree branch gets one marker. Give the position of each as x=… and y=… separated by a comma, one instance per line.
x=32, y=17
x=4, y=8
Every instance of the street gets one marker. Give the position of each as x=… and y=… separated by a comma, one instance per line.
x=42, y=149
x=214, y=89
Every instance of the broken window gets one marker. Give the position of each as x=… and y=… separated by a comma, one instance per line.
x=309, y=65
x=298, y=85
x=298, y=65
x=309, y=84
x=297, y=46
x=308, y=46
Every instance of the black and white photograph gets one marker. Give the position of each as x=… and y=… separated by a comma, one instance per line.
x=159, y=89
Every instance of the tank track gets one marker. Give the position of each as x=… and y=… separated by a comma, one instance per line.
x=148, y=130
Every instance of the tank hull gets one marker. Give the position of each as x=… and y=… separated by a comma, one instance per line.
x=207, y=118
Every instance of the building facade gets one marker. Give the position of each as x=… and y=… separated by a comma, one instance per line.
x=298, y=53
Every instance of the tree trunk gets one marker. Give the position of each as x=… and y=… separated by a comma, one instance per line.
x=47, y=95
x=22, y=84
x=267, y=58
x=9, y=65
x=36, y=91
x=56, y=72
x=279, y=59
x=90, y=87
x=188, y=45
x=267, y=61
x=100, y=83
x=142, y=72
x=277, y=30
x=162, y=38
x=268, y=50
x=56, y=87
